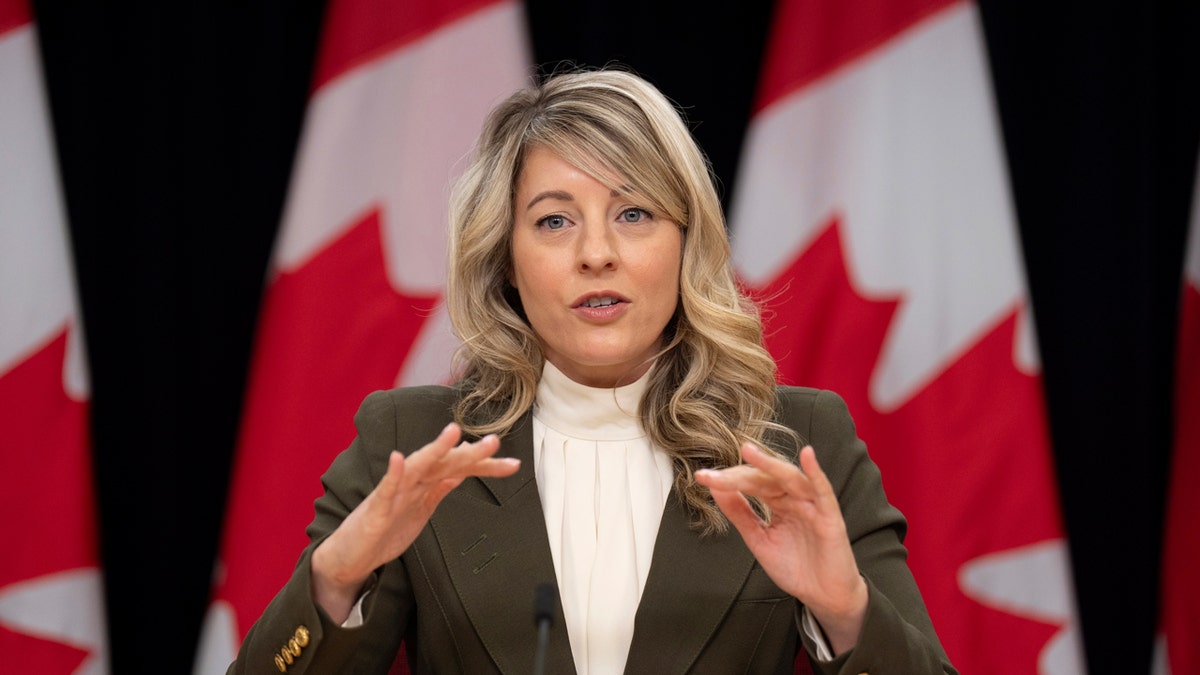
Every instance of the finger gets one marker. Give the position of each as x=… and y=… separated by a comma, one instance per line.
x=798, y=480
x=390, y=483
x=467, y=459
x=491, y=468
x=816, y=476
x=476, y=459
x=756, y=482
x=741, y=515
x=468, y=453
x=741, y=478
x=440, y=490
x=496, y=468
x=433, y=451
x=760, y=459
x=445, y=441
x=447, y=437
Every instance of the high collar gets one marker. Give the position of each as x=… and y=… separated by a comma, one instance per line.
x=590, y=413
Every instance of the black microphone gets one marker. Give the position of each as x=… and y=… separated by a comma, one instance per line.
x=544, y=598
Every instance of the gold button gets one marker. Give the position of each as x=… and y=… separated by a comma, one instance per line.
x=302, y=636
x=280, y=664
x=287, y=656
x=293, y=647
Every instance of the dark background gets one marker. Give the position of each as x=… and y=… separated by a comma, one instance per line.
x=177, y=124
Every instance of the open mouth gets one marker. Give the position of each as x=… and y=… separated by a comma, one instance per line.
x=606, y=301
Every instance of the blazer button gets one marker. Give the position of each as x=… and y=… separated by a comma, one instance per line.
x=295, y=645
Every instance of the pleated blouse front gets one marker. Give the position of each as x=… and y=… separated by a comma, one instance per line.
x=603, y=488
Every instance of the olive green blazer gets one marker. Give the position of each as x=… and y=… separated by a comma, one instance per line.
x=461, y=597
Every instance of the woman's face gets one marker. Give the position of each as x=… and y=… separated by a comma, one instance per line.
x=597, y=272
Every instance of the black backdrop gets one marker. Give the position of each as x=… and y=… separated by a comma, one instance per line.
x=176, y=128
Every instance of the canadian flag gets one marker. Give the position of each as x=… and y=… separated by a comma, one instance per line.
x=874, y=222
x=51, y=588
x=352, y=304
x=1180, y=598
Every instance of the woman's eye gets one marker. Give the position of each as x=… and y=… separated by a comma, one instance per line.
x=553, y=222
x=634, y=215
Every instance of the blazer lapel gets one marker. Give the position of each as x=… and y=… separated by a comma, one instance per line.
x=693, y=582
x=492, y=535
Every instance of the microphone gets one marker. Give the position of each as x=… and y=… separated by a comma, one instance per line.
x=544, y=598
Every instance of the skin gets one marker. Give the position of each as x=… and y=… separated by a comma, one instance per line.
x=575, y=239
x=384, y=525
x=804, y=548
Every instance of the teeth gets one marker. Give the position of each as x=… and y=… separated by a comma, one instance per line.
x=599, y=302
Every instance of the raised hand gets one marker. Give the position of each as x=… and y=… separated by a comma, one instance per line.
x=384, y=525
x=804, y=547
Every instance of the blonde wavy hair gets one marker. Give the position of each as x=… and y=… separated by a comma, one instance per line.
x=713, y=386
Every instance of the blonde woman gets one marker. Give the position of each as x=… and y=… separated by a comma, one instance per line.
x=616, y=414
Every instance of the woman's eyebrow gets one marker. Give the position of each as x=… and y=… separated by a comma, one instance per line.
x=564, y=196
x=560, y=195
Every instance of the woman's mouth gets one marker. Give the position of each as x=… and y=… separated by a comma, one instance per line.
x=599, y=302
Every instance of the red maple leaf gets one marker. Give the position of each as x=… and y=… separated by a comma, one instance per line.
x=966, y=458
x=45, y=457
x=25, y=653
x=331, y=332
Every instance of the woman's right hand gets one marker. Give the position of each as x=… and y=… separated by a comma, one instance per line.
x=384, y=525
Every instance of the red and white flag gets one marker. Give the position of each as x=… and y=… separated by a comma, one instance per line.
x=352, y=305
x=1180, y=597
x=51, y=588
x=873, y=218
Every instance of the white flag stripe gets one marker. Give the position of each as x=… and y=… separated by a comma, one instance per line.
x=429, y=360
x=1032, y=581
x=219, y=640
x=909, y=158
x=35, y=275
x=393, y=134
x=63, y=607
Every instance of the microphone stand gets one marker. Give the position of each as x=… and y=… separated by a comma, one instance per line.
x=544, y=598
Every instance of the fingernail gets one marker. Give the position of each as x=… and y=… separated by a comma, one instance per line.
x=448, y=427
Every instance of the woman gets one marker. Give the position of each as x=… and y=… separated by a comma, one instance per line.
x=605, y=341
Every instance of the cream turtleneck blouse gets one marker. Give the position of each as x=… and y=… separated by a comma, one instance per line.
x=603, y=488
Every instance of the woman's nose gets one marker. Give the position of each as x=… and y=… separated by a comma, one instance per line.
x=597, y=250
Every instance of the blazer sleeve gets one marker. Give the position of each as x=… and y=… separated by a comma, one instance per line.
x=294, y=635
x=897, y=634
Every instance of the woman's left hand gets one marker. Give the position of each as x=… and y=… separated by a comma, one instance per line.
x=804, y=547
